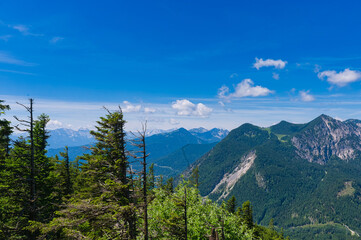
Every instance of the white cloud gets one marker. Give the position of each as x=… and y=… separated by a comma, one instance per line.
x=279, y=64
x=341, y=78
x=317, y=68
x=233, y=75
x=149, y=110
x=275, y=76
x=136, y=108
x=202, y=110
x=243, y=89
x=186, y=108
x=131, y=107
x=24, y=30
x=16, y=72
x=20, y=28
x=223, y=92
x=53, y=124
x=5, y=37
x=56, y=39
x=306, y=97
x=6, y=58
x=174, y=121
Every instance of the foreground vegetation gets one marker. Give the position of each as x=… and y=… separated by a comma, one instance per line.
x=53, y=198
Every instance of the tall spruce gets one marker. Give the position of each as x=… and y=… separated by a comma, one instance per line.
x=231, y=205
x=27, y=179
x=194, y=178
x=246, y=214
x=15, y=192
x=109, y=165
x=103, y=208
x=151, y=182
x=5, y=132
x=66, y=173
x=44, y=167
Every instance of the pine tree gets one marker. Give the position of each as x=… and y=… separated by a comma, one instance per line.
x=27, y=179
x=177, y=223
x=195, y=177
x=44, y=169
x=15, y=204
x=151, y=177
x=247, y=214
x=5, y=132
x=65, y=174
x=231, y=205
x=103, y=208
x=169, y=185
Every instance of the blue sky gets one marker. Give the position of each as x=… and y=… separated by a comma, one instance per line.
x=182, y=63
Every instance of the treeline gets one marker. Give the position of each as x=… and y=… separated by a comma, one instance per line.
x=104, y=198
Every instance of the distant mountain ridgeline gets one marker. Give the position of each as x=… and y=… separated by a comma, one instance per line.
x=306, y=177
x=61, y=137
x=171, y=151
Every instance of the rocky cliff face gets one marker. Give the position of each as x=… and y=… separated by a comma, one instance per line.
x=325, y=137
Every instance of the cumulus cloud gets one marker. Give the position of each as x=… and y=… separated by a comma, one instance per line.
x=54, y=124
x=306, y=96
x=279, y=64
x=131, y=107
x=245, y=88
x=187, y=108
x=341, y=78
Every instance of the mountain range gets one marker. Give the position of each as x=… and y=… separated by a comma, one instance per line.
x=61, y=137
x=170, y=151
x=306, y=177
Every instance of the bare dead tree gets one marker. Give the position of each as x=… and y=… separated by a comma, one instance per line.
x=29, y=124
x=142, y=154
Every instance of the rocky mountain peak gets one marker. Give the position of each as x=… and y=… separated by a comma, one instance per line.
x=325, y=137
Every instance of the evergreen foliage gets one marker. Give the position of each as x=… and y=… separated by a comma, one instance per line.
x=52, y=198
x=5, y=132
x=27, y=181
x=104, y=208
x=67, y=173
x=231, y=205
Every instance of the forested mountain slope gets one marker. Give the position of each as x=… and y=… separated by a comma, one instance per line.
x=300, y=175
x=171, y=152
